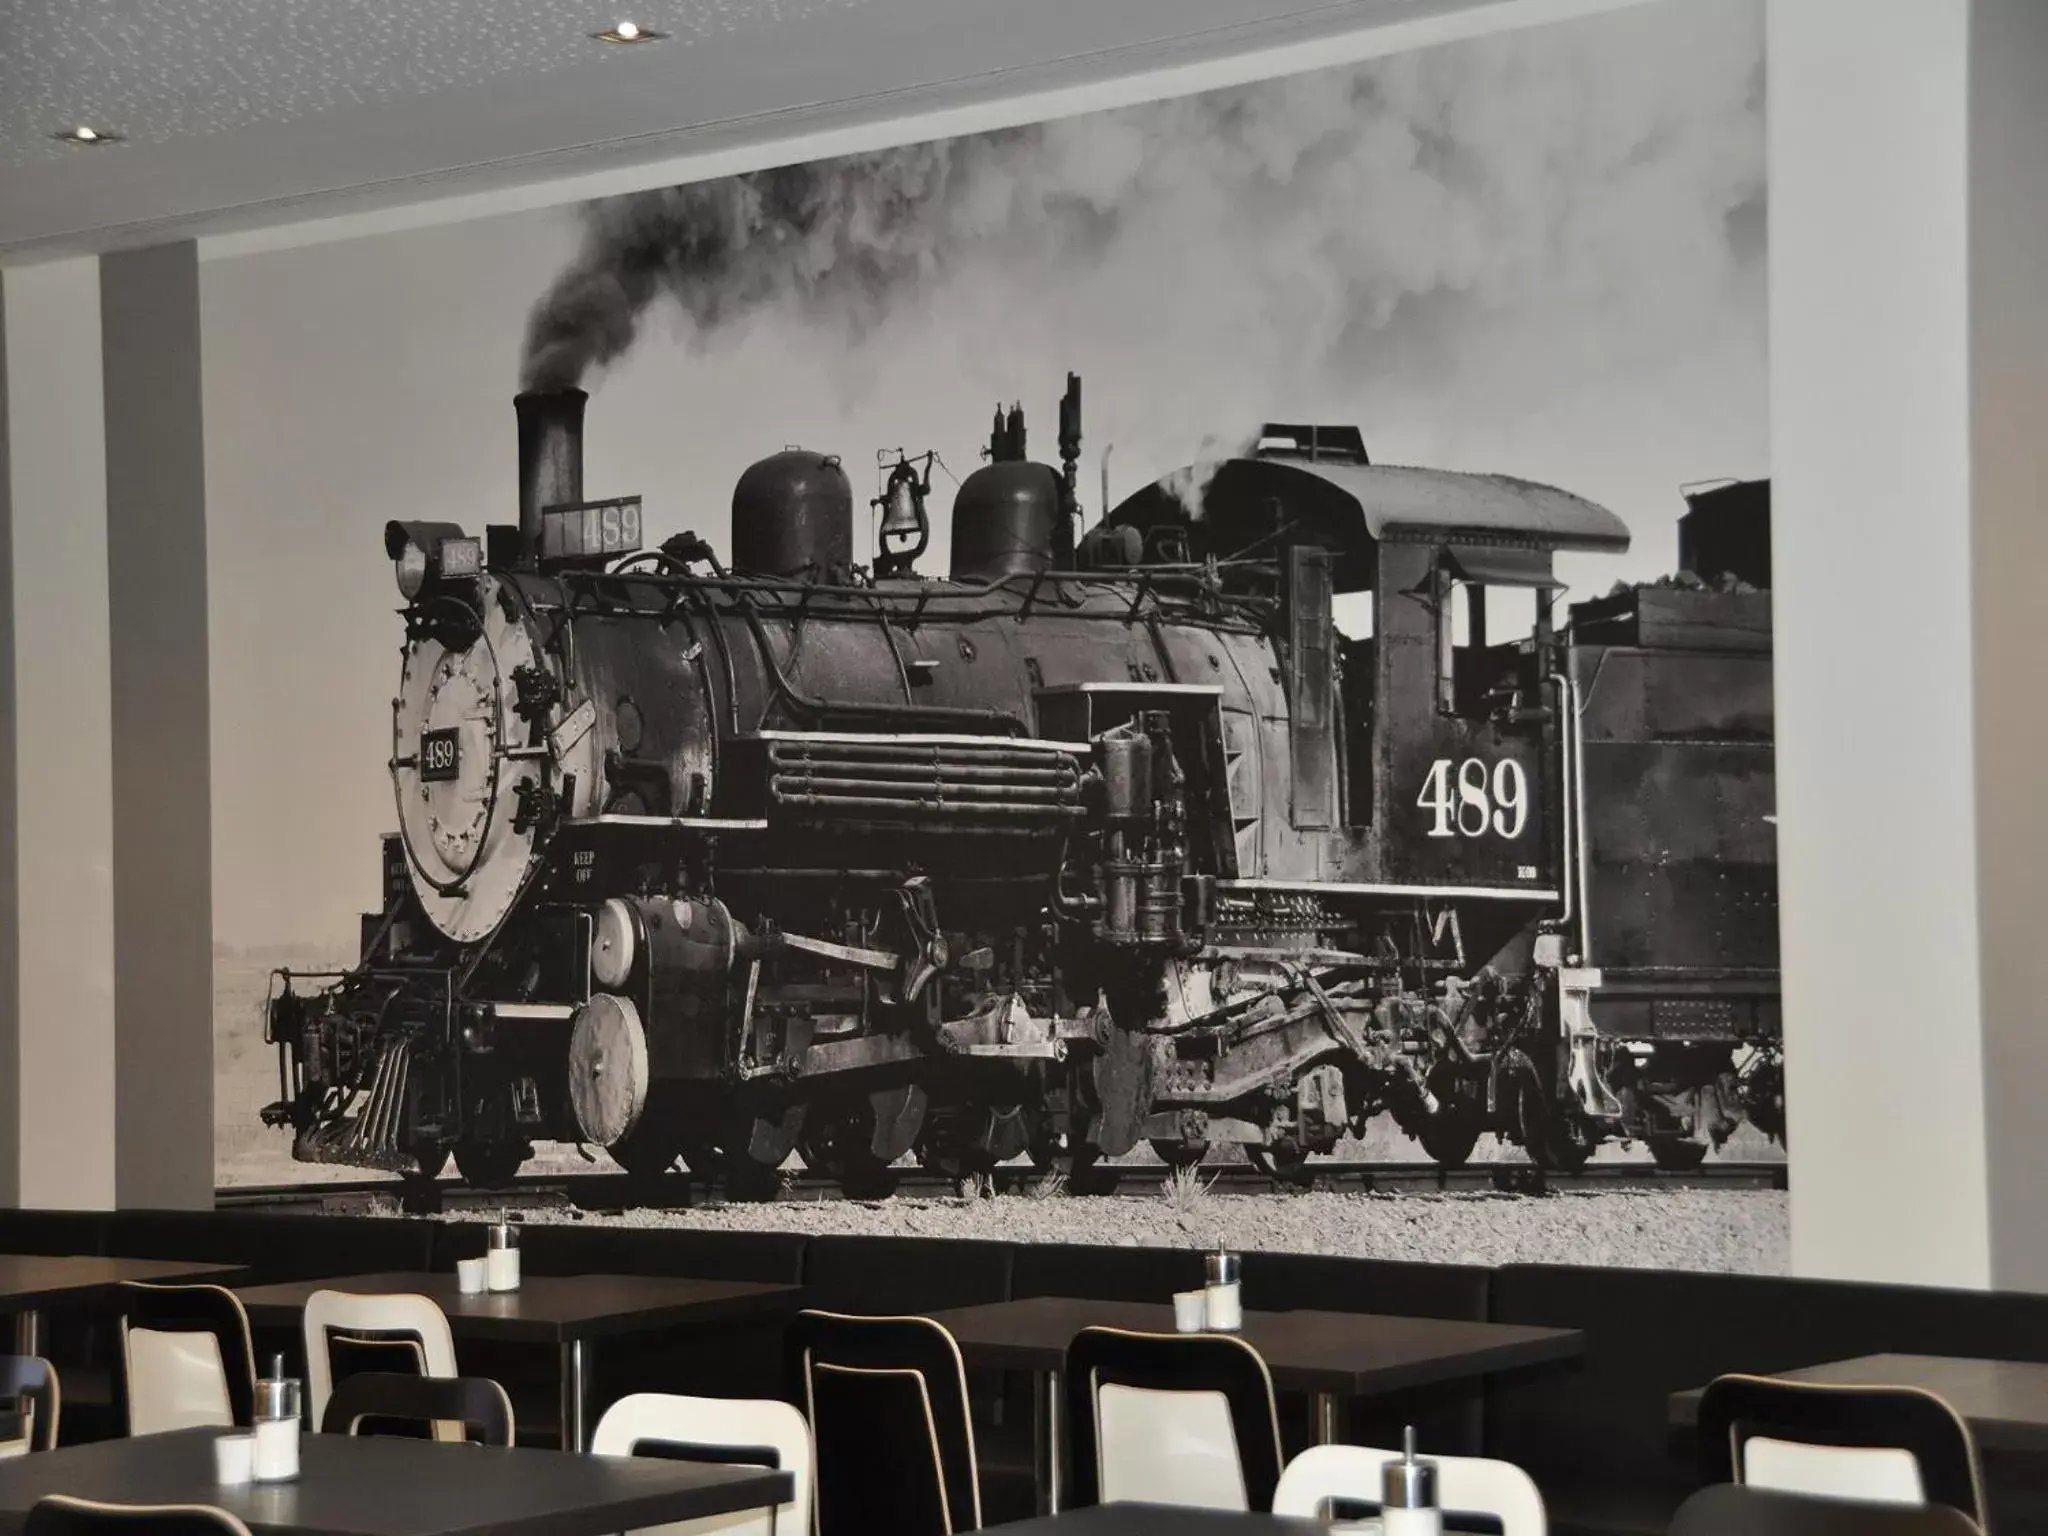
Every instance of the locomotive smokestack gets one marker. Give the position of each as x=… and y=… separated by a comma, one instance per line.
x=550, y=457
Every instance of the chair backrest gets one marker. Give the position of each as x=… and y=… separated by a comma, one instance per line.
x=59, y=1514
x=186, y=1359
x=33, y=1378
x=750, y=1432
x=1170, y=1418
x=476, y=1402
x=1465, y=1485
x=1727, y=1509
x=887, y=1401
x=1892, y=1445
x=397, y=1319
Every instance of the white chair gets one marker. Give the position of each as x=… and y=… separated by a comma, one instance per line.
x=1180, y=1419
x=1470, y=1485
x=186, y=1358
x=708, y=1425
x=418, y=1318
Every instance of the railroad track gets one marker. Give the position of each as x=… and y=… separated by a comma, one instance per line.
x=598, y=1191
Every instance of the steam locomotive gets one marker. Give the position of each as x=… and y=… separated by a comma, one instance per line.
x=1223, y=823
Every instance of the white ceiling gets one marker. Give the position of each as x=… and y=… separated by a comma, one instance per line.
x=243, y=113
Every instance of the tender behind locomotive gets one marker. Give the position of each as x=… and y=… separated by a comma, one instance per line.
x=1098, y=841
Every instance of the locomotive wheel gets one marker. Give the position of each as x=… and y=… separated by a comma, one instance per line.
x=1448, y=1139
x=1283, y=1165
x=1676, y=1153
x=1087, y=1174
x=1179, y=1154
x=1563, y=1145
x=429, y=1157
x=649, y=1150
x=490, y=1164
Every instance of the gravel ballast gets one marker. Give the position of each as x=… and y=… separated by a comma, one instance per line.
x=1736, y=1231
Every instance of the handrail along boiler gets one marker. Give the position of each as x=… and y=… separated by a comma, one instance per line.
x=1098, y=840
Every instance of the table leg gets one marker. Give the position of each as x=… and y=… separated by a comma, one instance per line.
x=28, y=1332
x=1327, y=1410
x=575, y=1395
x=1047, y=1387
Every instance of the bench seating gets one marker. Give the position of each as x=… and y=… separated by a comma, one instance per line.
x=1593, y=1432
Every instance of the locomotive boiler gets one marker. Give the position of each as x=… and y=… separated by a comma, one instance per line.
x=1094, y=841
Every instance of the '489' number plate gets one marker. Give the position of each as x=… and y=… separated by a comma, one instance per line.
x=440, y=755
x=1471, y=799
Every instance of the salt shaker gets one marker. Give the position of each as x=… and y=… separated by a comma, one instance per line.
x=501, y=1261
x=278, y=1406
x=1408, y=1504
x=1222, y=1305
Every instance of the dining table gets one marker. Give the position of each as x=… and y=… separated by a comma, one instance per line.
x=568, y=1313
x=2005, y=1402
x=1329, y=1355
x=31, y=1283
x=350, y=1485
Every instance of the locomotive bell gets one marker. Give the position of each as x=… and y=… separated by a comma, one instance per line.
x=900, y=517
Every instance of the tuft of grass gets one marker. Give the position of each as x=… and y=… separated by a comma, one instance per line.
x=1051, y=1187
x=976, y=1187
x=1185, y=1191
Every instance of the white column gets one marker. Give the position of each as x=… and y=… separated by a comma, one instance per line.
x=1870, y=426
x=2008, y=193
x=64, y=1080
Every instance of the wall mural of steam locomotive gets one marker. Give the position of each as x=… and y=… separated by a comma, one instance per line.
x=1101, y=838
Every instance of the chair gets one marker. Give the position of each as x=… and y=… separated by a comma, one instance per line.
x=59, y=1514
x=474, y=1402
x=30, y=1378
x=1893, y=1445
x=1170, y=1418
x=341, y=1325
x=1728, y=1509
x=1466, y=1485
x=732, y=1431
x=185, y=1358
x=887, y=1401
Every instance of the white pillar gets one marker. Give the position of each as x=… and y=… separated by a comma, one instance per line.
x=1909, y=382
x=2008, y=192
x=62, y=1079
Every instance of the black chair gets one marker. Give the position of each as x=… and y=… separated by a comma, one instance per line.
x=30, y=1378
x=59, y=1514
x=1209, y=1389
x=144, y=1403
x=474, y=1402
x=1833, y=1429
x=887, y=1401
x=1729, y=1509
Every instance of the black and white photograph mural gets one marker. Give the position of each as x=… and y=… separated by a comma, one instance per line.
x=1200, y=670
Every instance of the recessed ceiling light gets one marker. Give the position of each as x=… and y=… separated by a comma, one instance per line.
x=628, y=32
x=85, y=133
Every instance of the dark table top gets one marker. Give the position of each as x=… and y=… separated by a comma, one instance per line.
x=1343, y=1352
x=1159, y=1520
x=2005, y=1401
x=387, y=1486
x=547, y=1308
x=31, y=1280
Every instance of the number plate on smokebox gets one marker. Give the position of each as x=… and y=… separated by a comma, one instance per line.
x=440, y=755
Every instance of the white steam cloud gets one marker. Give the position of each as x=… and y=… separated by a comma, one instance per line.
x=1493, y=225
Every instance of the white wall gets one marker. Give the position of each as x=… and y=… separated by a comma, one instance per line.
x=63, y=733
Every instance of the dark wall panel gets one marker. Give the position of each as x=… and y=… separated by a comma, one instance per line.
x=156, y=594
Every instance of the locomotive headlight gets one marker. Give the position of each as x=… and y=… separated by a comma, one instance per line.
x=614, y=944
x=412, y=571
x=424, y=553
